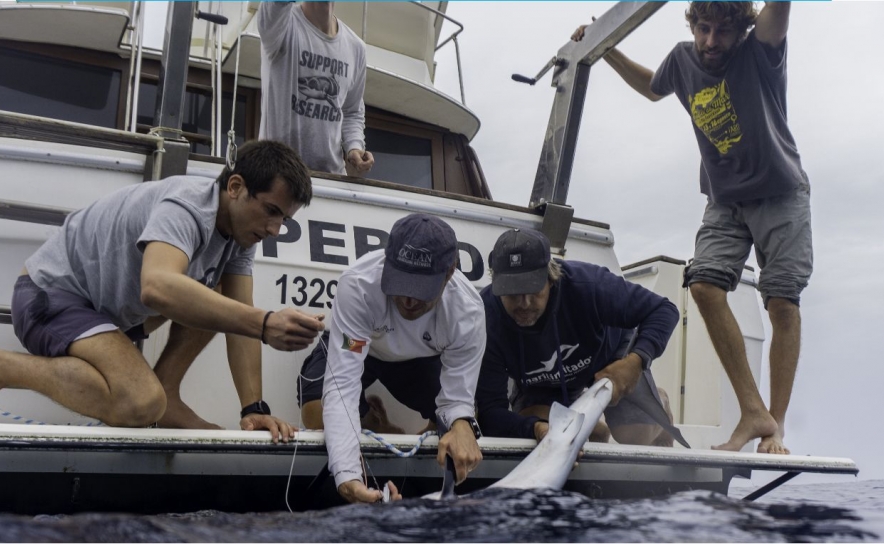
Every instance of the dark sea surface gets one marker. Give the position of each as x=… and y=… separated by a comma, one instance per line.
x=852, y=511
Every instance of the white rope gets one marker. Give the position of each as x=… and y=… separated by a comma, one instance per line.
x=231, y=134
x=393, y=448
x=26, y=421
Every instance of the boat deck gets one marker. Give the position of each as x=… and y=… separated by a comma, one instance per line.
x=64, y=469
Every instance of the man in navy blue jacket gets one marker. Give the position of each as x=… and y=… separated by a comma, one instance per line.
x=555, y=327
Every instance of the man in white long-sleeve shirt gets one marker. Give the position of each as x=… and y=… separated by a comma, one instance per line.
x=312, y=85
x=405, y=316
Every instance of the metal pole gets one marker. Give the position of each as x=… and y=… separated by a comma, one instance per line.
x=570, y=79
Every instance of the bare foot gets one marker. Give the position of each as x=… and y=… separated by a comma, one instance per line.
x=376, y=419
x=749, y=428
x=774, y=443
x=179, y=416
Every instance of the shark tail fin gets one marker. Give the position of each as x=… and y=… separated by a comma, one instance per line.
x=565, y=421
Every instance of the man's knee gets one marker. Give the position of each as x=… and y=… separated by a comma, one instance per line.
x=707, y=294
x=783, y=309
x=311, y=414
x=601, y=433
x=136, y=406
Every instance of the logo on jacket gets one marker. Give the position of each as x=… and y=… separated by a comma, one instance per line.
x=353, y=345
x=547, y=366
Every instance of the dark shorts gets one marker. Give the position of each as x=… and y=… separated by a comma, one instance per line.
x=627, y=411
x=47, y=321
x=415, y=382
x=779, y=228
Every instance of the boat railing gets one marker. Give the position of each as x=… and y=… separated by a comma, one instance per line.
x=451, y=38
x=28, y=213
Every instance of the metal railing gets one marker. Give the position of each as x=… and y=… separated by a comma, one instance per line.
x=28, y=213
x=452, y=38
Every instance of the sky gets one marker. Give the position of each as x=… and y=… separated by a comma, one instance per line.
x=636, y=169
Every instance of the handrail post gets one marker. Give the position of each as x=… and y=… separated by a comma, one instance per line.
x=570, y=79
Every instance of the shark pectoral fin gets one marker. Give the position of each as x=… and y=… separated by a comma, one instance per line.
x=564, y=421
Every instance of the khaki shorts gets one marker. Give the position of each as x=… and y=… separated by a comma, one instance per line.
x=778, y=227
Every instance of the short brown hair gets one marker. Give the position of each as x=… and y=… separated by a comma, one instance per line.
x=259, y=162
x=741, y=14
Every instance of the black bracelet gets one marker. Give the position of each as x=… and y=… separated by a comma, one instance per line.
x=264, y=327
x=259, y=407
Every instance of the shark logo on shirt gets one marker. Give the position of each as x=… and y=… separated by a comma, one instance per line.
x=547, y=366
x=320, y=88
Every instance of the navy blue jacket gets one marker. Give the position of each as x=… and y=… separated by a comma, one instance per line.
x=588, y=320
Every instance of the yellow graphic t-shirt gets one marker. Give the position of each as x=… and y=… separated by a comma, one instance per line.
x=714, y=114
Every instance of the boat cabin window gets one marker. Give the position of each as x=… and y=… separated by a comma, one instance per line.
x=196, y=116
x=401, y=158
x=60, y=89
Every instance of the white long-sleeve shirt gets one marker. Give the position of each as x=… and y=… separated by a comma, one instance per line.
x=312, y=86
x=365, y=321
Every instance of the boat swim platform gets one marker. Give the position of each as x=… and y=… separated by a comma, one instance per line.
x=49, y=469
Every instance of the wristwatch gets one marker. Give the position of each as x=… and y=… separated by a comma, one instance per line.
x=474, y=425
x=259, y=407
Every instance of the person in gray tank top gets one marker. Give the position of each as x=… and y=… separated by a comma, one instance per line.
x=732, y=82
x=148, y=253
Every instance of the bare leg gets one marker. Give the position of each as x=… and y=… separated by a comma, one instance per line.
x=104, y=376
x=601, y=433
x=755, y=420
x=646, y=434
x=375, y=420
x=785, y=345
x=183, y=347
x=311, y=414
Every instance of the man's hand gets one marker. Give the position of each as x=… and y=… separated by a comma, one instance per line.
x=624, y=375
x=291, y=330
x=460, y=443
x=361, y=160
x=578, y=34
x=355, y=491
x=581, y=30
x=540, y=430
x=279, y=429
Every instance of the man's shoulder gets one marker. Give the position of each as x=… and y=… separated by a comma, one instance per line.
x=464, y=291
x=348, y=34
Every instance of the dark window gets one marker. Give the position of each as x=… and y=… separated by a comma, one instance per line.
x=400, y=158
x=196, y=118
x=58, y=89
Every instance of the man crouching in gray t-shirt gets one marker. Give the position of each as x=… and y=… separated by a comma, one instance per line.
x=180, y=249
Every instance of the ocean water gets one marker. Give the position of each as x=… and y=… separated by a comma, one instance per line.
x=844, y=512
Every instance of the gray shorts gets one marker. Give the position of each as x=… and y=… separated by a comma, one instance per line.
x=778, y=227
x=48, y=321
x=627, y=411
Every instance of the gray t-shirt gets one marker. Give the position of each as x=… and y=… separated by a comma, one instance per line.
x=747, y=151
x=97, y=253
x=312, y=86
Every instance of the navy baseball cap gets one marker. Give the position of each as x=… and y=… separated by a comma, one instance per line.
x=519, y=261
x=419, y=253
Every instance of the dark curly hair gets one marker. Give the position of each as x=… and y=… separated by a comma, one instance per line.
x=741, y=14
x=259, y=162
